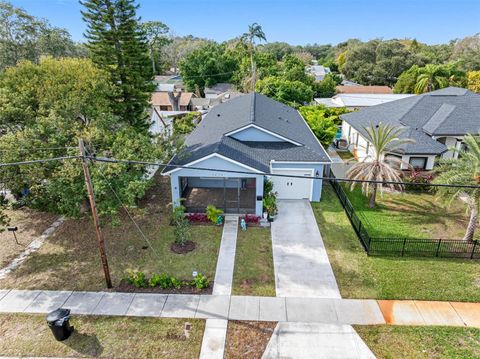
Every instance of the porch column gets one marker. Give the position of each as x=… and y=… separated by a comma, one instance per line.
x=258, y=192
x=175, y=186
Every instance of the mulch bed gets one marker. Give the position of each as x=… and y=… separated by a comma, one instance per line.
x=187, y=247
x=126, y=287
x=247, y=340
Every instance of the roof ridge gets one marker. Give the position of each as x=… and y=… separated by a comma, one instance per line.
x=252, y=108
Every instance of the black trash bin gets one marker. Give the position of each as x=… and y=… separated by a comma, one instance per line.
x=59, y=323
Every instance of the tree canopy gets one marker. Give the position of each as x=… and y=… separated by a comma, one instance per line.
x=119, y=46
x=44, y=110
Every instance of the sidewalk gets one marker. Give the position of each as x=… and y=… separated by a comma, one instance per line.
x=300, y=310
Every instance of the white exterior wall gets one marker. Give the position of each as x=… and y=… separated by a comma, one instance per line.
x=358, y=148
x=451, y=142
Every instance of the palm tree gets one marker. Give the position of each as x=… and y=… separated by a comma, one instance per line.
x=382, y=138
x=430, y=78
x=254, y=32
x=465, y=170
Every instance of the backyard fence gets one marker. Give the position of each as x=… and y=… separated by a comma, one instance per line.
x=420, y=247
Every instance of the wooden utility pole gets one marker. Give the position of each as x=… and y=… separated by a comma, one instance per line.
x=93, y=207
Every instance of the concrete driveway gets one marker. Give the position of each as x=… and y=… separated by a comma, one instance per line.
x=302, y=268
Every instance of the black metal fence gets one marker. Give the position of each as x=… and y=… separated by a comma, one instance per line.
x=415, y=247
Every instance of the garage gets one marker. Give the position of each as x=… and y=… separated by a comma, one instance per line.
x=293, y=187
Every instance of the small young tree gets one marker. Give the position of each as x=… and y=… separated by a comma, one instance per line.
x=465, y=170
x=383, y=138
x=182, y=226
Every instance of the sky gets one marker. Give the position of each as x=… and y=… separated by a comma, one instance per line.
x=297, y=22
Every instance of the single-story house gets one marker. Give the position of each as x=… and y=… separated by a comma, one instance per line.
x=237, y=146
x=363, y=89
x=436, y=121
x=162, y=101
x=357, y=101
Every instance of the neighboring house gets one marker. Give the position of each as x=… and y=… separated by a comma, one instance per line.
x=436, y=121
x=249, y=137
x=202, y=103
x=349, y=83
x=363, y=89
x=357, y=101
x=318, y=71
x=163, y=101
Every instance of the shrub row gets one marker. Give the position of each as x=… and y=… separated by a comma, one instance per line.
x=139, y=280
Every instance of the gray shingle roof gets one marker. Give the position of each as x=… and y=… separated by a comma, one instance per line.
x=209, y=136
x=451, y=111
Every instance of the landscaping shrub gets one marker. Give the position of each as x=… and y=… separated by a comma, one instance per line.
x=269, y=199
x=213, y=213
x=197, y=218
x=136, y=278
x=200, y=281
x=418, y=177
x=139, y=280
x=251, y=218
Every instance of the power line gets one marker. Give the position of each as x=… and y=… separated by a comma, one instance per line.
x=158, y=164
x=146, y=163
x=11, y=164
x=38, y=149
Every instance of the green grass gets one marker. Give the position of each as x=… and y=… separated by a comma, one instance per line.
x=361, y=276
x=105, y=337
x=410, y=215
x=254, y=272
x=69, y=260
x=421, y=342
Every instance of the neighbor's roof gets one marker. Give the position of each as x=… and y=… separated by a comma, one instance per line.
x=209, y=137
x=451, y=111
x=160, y=98
x=359, y=100
x=363, y=89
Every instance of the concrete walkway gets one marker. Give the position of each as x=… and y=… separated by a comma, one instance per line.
x=215, y=334
x=302, y=268
x=283, y=309
x=313, y=340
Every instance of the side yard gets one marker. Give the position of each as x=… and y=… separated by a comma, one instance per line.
x=421, y=342
x=410, y=215
x=31, y=225
x=106, y=337
x=69, y=260
x=254, y=271
x=361, y=276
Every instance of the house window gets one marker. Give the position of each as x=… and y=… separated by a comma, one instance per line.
x=164, y=108
x=418, y=162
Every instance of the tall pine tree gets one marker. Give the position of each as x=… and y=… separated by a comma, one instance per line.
x=119, y=46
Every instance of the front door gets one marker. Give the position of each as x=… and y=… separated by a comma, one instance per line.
x=292, y=187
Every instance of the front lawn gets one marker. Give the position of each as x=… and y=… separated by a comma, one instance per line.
x=361, y=276
x=69, y=260
x=105, y=337
x=254, y=272
x=410, y=215
x=421, y=342
x=31, y=225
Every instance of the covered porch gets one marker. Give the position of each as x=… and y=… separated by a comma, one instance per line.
x=232, y=195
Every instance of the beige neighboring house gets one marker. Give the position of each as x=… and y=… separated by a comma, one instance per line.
x=163, y=102
x=363, y=89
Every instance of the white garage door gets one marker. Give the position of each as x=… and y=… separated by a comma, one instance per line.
x=292, y=187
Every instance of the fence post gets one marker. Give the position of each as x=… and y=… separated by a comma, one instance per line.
x=438, y=247
x=473, y=249
x=403, y=249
